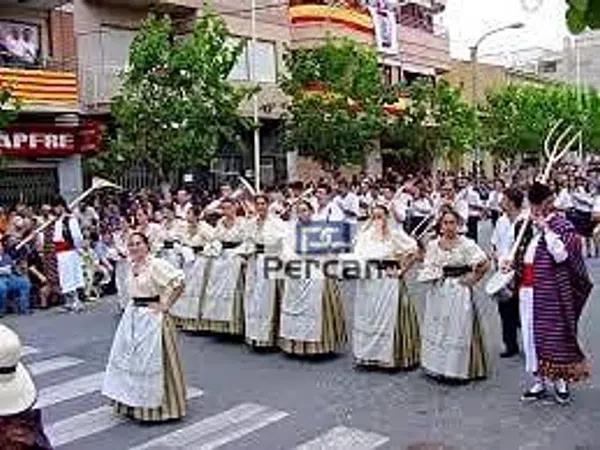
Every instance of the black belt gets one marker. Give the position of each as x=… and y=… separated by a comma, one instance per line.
x=169, y=245
x=8, y=370
x=456, y=271
x=230, y=245
x=145, y=301
x=259, y=248
x=198, y=249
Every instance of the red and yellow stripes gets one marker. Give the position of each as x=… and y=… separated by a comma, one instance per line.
x=40, y=86
x=306, y=14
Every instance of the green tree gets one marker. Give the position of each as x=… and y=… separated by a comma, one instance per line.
x=583, y=14
x=437, y=124
x=8, y=108
x=337, y=95
x=176, y=108
x=516, y=118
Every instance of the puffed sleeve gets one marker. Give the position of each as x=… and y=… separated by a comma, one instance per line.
x=431, y=269
x=403, y=243
x=473, y=253
x=164, y=274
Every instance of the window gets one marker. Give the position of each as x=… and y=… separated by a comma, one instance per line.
x=241, y=70
x=266, y=63
x=548, y=66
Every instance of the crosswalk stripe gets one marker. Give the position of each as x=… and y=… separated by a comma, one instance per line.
x=91, y=422
x=217, y=430
x=346, y=438
x=50, y=365
x=69, y=390
x=27, y=350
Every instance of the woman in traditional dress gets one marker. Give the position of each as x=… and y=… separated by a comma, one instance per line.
x=151, y=230
x=312, y=314
x=386, y=327
x=262, y=294
x=144, y=377
x=222, y=306
x=195, y=236
x=452, y=335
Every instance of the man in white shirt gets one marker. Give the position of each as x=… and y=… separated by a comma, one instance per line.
x=395, y=205
x=474, y=205
x=182, y=204
x=503, y=238
x=326, y=210
x=347, y=201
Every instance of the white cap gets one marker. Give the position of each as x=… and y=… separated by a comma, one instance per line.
x=17, y=391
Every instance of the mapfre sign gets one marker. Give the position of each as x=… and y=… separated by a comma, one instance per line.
x=35, y=141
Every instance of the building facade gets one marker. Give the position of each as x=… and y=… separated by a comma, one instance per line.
x=42, y=149
x=83, y=45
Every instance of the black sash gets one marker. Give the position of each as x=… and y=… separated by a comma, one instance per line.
x=456, y=271
x=229, y=245
x=145, y=301
x=260, y=248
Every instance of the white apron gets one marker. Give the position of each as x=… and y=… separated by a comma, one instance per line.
x=259, y=298
x=70, y=271
x=447, y=329
x=302, y=310
x=220, y=289
x=375, y=317
x=134, y=374
x=188, y=306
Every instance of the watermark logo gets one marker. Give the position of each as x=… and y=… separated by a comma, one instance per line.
x=319, y=238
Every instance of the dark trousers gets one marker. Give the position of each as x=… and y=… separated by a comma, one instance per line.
x=472, y=226
x=509, y=317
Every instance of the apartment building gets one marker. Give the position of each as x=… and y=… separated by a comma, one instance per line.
x=83, y=45
x=43, y=148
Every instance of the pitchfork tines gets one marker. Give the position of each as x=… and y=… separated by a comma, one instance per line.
x=559, y=150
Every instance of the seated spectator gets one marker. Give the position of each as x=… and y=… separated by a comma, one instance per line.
x=20, y=425
x=12, y=281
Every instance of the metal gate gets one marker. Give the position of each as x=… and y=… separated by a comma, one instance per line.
x=31, y=185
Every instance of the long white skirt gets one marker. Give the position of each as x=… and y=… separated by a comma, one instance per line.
x=188, y=305
x=135, y=372
x=447, y=329
x=260, y=301
x=219, y=299
x=70, y=271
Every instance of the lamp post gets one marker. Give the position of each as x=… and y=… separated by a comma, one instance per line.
x=474, y=49
x=255, y=101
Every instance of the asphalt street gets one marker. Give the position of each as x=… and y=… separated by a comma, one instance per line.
x=261, y=401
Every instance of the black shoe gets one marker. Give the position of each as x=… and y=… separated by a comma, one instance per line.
x=509, y=353
x=562, y=395
x=533, y=394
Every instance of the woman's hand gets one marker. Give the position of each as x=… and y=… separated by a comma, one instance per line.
x=468, y=280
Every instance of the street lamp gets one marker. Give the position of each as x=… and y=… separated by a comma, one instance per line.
x=255, y=100
x=474, y=49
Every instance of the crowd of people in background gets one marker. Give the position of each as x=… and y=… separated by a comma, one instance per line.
x=29, y=276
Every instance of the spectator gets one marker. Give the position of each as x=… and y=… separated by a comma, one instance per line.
x=20, y=425
x=11, y=281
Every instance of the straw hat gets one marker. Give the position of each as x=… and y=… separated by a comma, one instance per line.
x=17, y=391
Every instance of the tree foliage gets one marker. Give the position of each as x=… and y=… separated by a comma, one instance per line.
x=516, y=118
x=8, y=108
x=176, y=108
x=337, y=96
x=437, y=124
x=583, y=14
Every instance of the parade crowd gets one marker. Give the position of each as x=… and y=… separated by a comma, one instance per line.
x=190, y=261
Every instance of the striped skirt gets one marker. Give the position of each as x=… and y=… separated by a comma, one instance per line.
x=233, y=327
x=478, y=365
x=174, y=404
x=407, y=341
x=334, y=335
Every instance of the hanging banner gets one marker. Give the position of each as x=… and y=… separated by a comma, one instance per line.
x=386, y=28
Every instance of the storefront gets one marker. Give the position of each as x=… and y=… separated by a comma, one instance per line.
x=40, y=160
